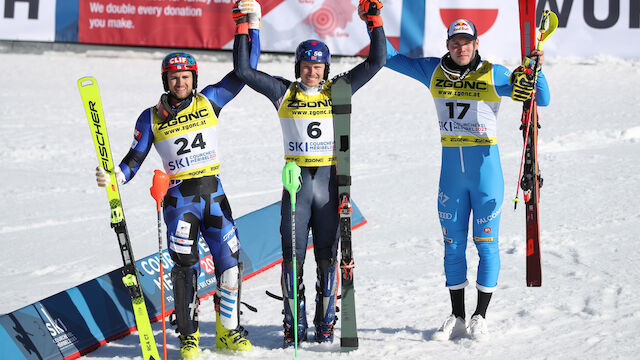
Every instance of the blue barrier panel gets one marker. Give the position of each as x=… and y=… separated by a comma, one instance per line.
x=79, y=320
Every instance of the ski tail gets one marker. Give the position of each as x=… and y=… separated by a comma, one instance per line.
x=341, y=100
x=530, y=183
x=90, y=94
x=531, y=180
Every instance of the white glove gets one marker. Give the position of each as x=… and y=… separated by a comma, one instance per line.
x=103, y=179
x=253, y=10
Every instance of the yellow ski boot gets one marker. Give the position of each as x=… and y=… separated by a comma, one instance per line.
x=189, y=345
x=231, y=339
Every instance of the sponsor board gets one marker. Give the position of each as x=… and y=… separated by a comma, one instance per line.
x=415, y=27
x=28, y=20
x=79, y=320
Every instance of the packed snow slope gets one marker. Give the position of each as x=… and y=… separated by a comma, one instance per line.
x=55, y=233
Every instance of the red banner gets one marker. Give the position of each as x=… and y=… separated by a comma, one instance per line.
x=164, y=23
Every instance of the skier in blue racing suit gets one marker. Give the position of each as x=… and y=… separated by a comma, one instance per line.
x=467, y=91
x=304, y=109
x=183, y=128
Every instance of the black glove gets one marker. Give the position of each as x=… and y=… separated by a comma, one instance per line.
x=522, y=81
x=370, y=9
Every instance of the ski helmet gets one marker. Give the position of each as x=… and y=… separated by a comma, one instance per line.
x=179, y=61
x=314, y=51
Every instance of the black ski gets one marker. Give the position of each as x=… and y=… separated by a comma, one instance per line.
x=341, y=102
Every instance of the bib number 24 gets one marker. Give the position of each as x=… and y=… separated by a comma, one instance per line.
x=185, y=147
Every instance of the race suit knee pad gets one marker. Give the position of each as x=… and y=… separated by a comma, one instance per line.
x=455, y=261
x=183, y=240
x=489, y=264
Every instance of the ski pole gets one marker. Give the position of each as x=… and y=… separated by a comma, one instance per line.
x=292, y=182
x=158, y=191
x=548, y=26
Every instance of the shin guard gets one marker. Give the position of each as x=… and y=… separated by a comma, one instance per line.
x=289, y=303
x=326, y=292
x=185, y=292
x=228, y=298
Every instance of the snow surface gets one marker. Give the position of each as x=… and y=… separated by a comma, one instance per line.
x=54, y=221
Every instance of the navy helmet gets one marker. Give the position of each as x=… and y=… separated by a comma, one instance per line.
x=179, y=61
x=313, y=51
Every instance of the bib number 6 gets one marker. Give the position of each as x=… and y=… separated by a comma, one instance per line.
x=313, y=130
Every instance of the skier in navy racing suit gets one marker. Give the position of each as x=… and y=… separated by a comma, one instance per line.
x=309, y=141
x=183, y=128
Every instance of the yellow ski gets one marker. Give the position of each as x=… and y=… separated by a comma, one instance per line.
x=93, y=107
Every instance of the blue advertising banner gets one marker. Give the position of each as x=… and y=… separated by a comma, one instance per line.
x=79, y=320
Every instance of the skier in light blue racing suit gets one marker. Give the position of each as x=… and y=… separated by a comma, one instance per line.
x=467, y=91
x=306, y=118
x=183, y=127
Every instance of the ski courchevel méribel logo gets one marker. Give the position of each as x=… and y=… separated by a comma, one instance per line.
x=333, y=14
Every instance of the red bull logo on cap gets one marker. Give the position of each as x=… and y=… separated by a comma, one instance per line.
x=462, y=27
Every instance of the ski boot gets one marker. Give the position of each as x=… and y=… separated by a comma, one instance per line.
x=229, y=334
x=235, y=339
x=287, y=294
x=189, y=345
x=326, y=289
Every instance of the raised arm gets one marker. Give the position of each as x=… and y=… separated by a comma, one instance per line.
x=369, y=11
x=269, y=86
x=225, y=90
x=273, y=88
